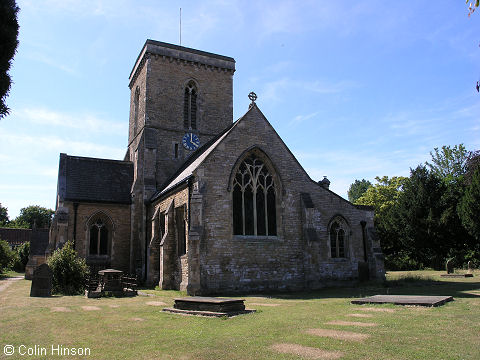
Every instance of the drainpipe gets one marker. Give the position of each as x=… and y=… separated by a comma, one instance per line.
x=75, y=211
x=364, y=223
x=146, y=245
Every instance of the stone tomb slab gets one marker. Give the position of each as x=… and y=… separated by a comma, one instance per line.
x=404, y=300
x=456, y=275
x=208, y=306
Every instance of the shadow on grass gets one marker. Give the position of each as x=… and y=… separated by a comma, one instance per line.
x=409, y=285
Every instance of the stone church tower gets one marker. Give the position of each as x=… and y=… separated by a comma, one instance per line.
x=205, y=204
x=176, y=92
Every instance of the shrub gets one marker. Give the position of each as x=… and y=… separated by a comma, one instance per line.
x=7, y=256
x=69, y=271
x=21, y=257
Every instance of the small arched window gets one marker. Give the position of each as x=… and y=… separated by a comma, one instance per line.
x=254, y=204
x=338, y=234
x=136, y=102
x=98, y=238
x=190, y=106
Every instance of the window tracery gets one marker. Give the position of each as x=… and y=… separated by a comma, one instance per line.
x=338, y=235
x=254, y=199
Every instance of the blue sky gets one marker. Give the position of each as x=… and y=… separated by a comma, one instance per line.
x=355, y=89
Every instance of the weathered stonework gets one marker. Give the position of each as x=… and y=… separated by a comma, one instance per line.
x=173, y=223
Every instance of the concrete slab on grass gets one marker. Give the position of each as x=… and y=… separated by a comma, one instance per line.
x=404, y=300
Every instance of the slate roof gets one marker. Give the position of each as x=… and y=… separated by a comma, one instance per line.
x=94, y=180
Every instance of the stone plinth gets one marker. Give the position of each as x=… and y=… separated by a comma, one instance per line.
x=208, y=306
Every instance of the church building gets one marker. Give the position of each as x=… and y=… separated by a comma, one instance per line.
x=203, y=203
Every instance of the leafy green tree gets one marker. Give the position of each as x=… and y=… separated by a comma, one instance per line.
x=472, y=5
x=357, y=189
x=448, y=163
x=23, y=252
x=418, y=211
x=469, y=207
x=8, y=46
x=69, y=271
x=34, y=214
x=383, y=196
x=3, y=215
x=6, y=256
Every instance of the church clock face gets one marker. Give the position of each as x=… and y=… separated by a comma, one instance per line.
x=190, y=141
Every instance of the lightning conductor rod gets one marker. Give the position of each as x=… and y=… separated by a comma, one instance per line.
x=180, y=26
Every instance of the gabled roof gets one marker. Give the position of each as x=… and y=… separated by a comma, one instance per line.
x=197, y=158
x=94, y=180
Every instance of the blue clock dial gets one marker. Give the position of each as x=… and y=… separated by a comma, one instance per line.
x=190, y=141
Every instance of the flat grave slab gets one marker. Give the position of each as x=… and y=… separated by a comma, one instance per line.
x=456, y=275
x=404, y=300
x=208, y=306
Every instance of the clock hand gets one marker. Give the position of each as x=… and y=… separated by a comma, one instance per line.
x=191, y=138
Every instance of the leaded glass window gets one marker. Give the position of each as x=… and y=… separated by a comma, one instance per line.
x=254, y=206
x=98, y=238
x=338, y=238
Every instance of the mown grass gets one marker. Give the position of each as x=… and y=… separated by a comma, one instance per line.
x=116, y=331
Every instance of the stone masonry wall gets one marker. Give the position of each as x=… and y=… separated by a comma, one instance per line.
x=288, y=261
x=174, y=266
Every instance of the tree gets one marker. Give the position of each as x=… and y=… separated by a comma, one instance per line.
x=34, y=214
x=449, y=164
x=23, y=252
x=3, y=215
x=8, y=46
x=472, y=5
x=469, y=207
x=6, y=256
x=357, y=189
x=383, y=196
x=418, y=212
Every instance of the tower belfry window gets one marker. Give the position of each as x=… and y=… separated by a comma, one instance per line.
x=190, y=107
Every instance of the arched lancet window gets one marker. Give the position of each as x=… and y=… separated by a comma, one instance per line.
x=190, y=106
x=136, y=102
x=254, y=209
x=98, y=238
x=338, y=234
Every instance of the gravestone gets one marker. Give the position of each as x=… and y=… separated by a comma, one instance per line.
x=42, y=282
x=363, y=271
x=470, y=267
x=449, y=266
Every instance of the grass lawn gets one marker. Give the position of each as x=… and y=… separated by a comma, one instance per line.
x=135, y=328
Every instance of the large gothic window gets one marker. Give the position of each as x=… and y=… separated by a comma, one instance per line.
x=190, y=106
x=254, y=210
x=98, y=238
x=338, y=238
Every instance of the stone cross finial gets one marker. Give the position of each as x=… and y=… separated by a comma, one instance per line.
x=252, y=96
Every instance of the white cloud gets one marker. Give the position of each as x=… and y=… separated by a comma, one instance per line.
x=84, y=122
x=273, y=90
x=43, y=58
x=301, y=118
x=41, y=144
